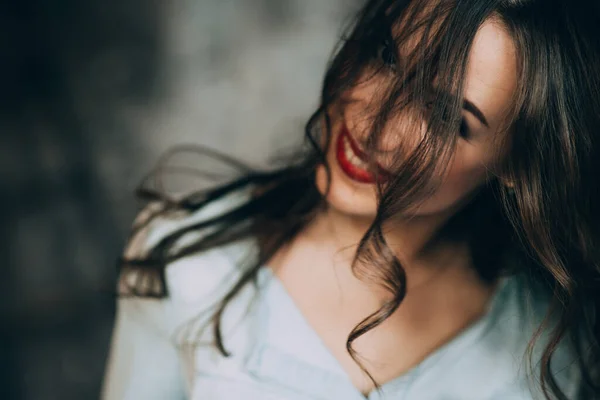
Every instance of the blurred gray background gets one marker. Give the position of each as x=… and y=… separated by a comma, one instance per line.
x=91, y=93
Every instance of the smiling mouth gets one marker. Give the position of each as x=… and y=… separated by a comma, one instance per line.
x=353, y=161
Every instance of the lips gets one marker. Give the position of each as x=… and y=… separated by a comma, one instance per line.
x=354, y=162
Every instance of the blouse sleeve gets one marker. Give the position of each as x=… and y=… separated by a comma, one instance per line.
x=143, y=360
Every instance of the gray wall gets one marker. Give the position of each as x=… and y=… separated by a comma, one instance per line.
x=92, y=94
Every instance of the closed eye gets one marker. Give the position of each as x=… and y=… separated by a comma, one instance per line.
x=386, y=54
x=463, y=131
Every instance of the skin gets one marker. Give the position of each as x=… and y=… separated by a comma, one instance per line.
x=444, y=295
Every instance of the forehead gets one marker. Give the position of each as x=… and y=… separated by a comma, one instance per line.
x=491, y=76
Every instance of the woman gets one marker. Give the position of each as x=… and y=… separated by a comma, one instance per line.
x=438, y=240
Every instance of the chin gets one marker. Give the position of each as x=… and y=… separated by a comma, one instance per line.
x=345, y=196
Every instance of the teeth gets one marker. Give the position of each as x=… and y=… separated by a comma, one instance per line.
x=352, y=157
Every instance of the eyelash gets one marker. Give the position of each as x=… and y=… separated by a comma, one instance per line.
x=386, y=55
x=463, y=130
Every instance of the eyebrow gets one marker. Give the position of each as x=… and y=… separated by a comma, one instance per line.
x=472, y=108
x=467, y=105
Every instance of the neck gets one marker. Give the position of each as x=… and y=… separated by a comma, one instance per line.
x=412, y=239
x=415, y=242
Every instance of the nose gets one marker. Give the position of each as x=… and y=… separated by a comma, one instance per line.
x=404, y=128
x=401, y=131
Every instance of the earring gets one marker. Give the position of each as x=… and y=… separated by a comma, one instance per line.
x=510, y=188
x=508, y=184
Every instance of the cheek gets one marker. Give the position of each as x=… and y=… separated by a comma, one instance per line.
x=465, y=175
x=463, y=178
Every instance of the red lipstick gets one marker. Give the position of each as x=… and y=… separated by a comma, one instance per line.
x=353, y=161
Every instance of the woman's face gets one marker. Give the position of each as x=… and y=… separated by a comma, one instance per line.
x=489, y=87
